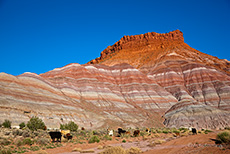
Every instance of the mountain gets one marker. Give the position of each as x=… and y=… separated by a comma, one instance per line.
x=147, y=80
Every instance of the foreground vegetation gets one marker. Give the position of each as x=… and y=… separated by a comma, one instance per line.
x=33, y=138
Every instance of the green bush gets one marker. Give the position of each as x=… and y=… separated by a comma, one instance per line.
x=176, y=131
x=124, y=141
x=165, y=132
x=207, y=131
x=70, y=126
x=22, y=125
x=94, y=139
x=183, y=129
x=6, y=124
x=27, y=141
x=224, y=137
x=35, y=123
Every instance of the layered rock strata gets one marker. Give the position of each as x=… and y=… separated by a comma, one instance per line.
x=147, y=80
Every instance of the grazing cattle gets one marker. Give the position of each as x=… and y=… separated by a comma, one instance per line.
x=194, y=131
x=66, y=134
x=136, y=133
x=111, y=133
x=121, y=131
x=148, y=130
x=55, y=135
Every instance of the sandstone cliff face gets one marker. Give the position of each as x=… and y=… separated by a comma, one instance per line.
x=143, y=80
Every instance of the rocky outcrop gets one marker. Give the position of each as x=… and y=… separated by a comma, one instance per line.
x=143, y=80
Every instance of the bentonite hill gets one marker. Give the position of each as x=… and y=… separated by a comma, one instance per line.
x=148, y=80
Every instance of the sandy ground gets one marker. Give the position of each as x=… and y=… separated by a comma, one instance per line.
x=192, y=144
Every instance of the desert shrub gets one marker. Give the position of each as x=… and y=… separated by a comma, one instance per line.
x=227, y=128
x=7, y=132
x=4, y=141
x=159, y=131
x=34, y=148
x=207, y=131
x=224, y=137
x=35, y=133
x=17, y=132
x=165, y=131
x=94, y=139
x=22, y=125
x=176, y=131
x=124, y=141
x=18, y=143
x=183, y=129
x=70, y=126
x=133, y=150
x=35, y=123
x=26, y=133
x=142, y=133
x=6, y=123
x=41, y=133
x=107, y=137
x=5, y=151
x=27, y=141
x=43, y=141
x=153, y=131
x=114, y=150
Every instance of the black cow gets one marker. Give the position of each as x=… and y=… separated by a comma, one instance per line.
x=194, y=131
x=55, y=135
x=121, y=131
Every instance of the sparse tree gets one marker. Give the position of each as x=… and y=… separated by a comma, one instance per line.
x=22, y=125
x=35, y=123
x=70, y=126
x=6, y=123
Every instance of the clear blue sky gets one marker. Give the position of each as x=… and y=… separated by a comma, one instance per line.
x=40, y=35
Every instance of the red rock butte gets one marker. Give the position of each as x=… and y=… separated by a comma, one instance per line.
x=145, y=50
x=147, y=80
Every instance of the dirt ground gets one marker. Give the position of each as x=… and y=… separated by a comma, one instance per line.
x=192, y=144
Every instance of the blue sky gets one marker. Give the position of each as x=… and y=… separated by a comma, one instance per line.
x=40, y=35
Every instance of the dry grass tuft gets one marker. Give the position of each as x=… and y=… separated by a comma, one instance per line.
x=42, y=152
x=159, y=141
x=133, y=150
x=114, y=150
x=87, y=151
x=100, y=147
x=120, y=150
x=77, y=150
